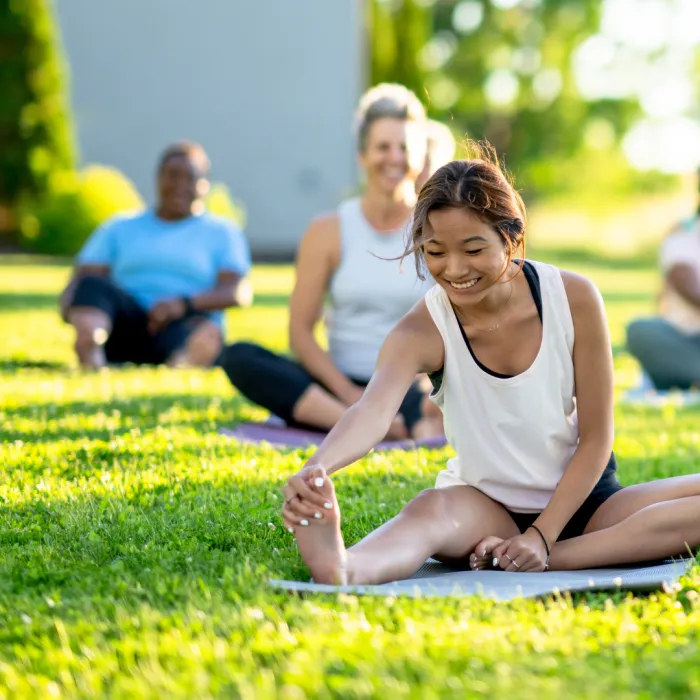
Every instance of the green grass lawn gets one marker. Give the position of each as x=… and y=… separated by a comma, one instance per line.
x=135, y=542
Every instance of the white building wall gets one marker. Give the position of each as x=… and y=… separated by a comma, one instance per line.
x=267, y=86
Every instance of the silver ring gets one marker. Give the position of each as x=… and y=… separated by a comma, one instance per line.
x=509, y=559
x=517, y=566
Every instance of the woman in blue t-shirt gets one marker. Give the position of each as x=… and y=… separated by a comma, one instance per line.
x=149, y=288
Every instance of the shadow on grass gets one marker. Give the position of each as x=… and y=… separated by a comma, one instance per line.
x=15, y=365
x=263, y=299
x=144, y=546
x=33, y=259
x=142, y=412
x=28, y=300
x=41, y=301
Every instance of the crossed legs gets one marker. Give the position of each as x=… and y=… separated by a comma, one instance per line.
x=639, y=523
x=93, y=328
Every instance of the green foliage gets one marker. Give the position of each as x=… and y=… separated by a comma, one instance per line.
x=61, y=221
x=36, y=138
x=398, y=32
x=220, y=202
x=135, y=541
x=451, y=52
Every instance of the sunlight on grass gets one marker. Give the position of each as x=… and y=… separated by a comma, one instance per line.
x=135, y=541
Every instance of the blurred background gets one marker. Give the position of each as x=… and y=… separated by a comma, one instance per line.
x=593, y=103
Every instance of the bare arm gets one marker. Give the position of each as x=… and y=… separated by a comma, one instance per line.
x=317, y=259
x=593, y=371
x=684, y=280
x=231, y=289
x=412, y=347
x=80, y=271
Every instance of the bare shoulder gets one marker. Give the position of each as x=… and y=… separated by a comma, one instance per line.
x=416, y=332
x=324, y=230
x=321, y=240
x=582, y=294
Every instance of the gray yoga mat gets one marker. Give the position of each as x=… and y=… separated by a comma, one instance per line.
x=435, y=579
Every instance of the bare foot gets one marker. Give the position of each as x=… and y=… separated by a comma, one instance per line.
x=320, y=542
x=203, y=346
x=91, y=355
x=480, y=558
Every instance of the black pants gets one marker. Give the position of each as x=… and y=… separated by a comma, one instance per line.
x=277, y=383
x=130, y=340
x=607, y=485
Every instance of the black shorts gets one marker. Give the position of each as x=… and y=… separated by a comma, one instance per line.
x=606, y=487
x=130, y=340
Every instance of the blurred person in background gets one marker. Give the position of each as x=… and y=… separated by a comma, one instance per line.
x=668, y=345
x=350, y=257
x=151, y=287
x=440, y=150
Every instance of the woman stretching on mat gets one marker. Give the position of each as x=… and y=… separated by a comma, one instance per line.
x=520, y=359
x=340, y=257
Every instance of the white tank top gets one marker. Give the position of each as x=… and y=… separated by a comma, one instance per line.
x=513, y=436
x=368, y=295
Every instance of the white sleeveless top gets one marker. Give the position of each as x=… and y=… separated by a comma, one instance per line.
x=513, y=436
x=368, y=295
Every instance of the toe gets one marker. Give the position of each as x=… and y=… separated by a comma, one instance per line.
x=487, y=545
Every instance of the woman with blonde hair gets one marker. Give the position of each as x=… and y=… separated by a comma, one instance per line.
x=343, y=257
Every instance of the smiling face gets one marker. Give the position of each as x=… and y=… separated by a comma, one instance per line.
x=465, y=255
x=181, y=185
x=393, y=155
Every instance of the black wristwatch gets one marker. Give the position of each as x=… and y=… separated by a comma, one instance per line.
x=189, y=307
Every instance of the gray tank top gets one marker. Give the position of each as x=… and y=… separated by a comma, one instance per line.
x=368, y=295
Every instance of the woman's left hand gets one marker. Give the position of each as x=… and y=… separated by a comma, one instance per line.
x=526, y=552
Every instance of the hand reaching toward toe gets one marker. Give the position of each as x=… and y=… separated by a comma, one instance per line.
x=523, y=553
x=319, y=539
x=303, y=501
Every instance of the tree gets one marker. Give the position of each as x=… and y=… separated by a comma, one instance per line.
x=36, y=135
x=504, y=70
x=398, y=31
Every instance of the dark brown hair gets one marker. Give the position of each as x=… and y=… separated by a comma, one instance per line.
x=478, y=183
x=188, y=149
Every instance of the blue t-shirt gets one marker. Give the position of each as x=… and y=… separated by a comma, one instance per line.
x=153, y=259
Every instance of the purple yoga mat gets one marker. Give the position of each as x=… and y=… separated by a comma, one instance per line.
x=280, y=435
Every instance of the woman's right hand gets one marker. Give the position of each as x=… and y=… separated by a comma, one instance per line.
x=302, y=503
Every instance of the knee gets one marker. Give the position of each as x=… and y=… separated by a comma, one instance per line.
x=236, y=361
x=640, y=334
x=83, y=309
x=88, y=320
x=89, y=284
x=430, y=505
